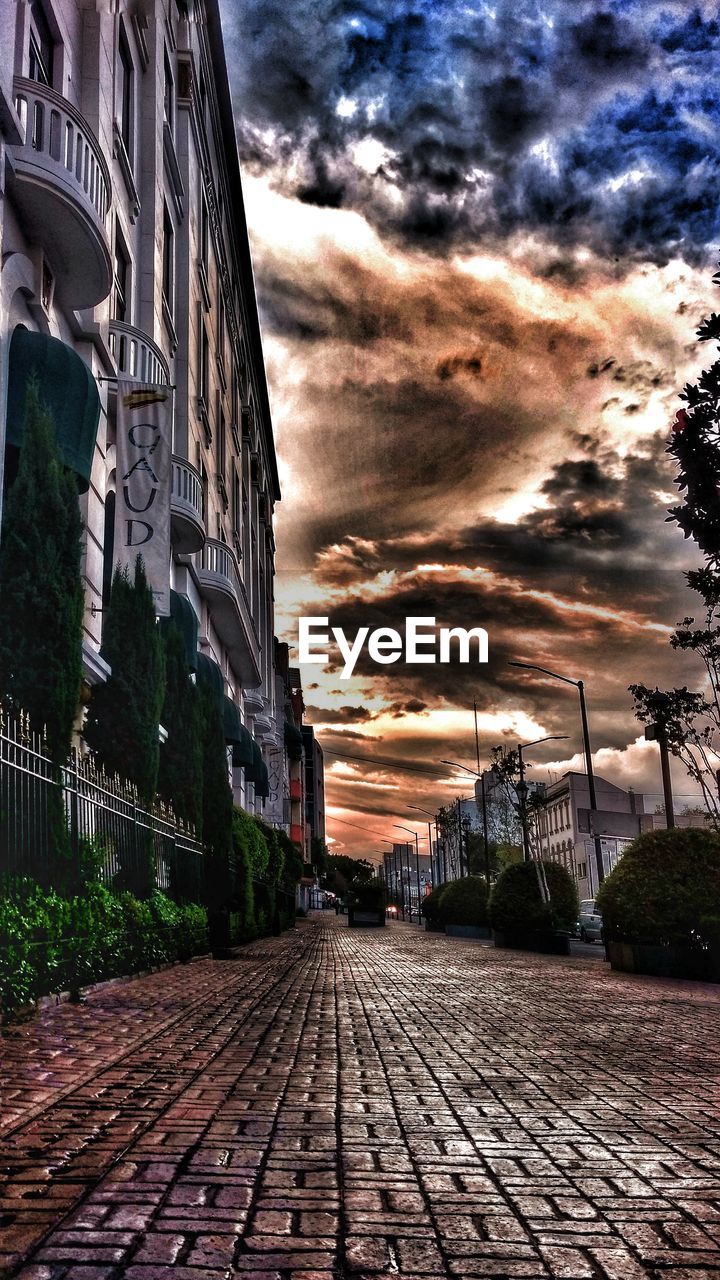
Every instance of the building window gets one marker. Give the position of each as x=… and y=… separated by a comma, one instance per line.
x=168, y=260
x=204, y=232
x=121, y=284
x=41, y=47
x=203, y=364
x=222, y=447
x=126, y=87
x=169, y=94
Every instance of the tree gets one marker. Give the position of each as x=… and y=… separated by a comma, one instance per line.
x=180, y=767
x=344, y=871
x=691, y=719
x=319, y=855
x=41, y=593
x=217, y=820
x=124, y=713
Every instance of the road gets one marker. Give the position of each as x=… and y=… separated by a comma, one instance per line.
x=341, y=1103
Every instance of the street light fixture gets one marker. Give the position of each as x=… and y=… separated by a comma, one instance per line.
x=417, y=809
x=522, y=787
x=580, y=686
x=400, y=827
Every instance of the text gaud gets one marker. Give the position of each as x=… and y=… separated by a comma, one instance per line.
x=421, y=643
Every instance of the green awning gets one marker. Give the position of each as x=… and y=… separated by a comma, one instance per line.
x=211, y=677
x=67, y=389
x=183, y=616
x=254, y=770
x=262, y=788
x=293, y=741
x=237, y=735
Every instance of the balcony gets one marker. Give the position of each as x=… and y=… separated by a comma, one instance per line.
x=295, y=789
x=61, y=185
x=137, y=358
x=186, y=508
x=219, y=580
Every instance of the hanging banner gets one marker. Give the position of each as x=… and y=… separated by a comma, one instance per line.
x=143, y=469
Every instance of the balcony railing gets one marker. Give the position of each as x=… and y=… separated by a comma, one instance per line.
x=219, y=578
x=186, y=500
x=136, y=356
x=62, y=184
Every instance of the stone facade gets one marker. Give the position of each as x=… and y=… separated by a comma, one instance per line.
x=124, y=236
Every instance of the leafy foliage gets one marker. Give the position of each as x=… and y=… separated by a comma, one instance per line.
x=430, y=906
x=49, y=943
x=124, y=713
x=664, y=884
x=464, y=902
x=517, y=900
x=181, y=762
x=692, y=719
x=41, y=594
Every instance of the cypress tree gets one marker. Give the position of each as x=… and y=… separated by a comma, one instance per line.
x=217, y=820
x=181, y=756
x=124, y=713
x=41, y=593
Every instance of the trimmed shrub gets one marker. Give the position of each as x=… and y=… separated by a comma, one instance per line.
x=430, y=906
x=516, y=902
x=464, y=902
x=366, y=895
x=663, y=886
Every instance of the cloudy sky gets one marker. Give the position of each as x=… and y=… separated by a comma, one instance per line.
x=483, y=238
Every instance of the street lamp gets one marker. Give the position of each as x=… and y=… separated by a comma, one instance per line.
x=580, y=686
x=522, y=787
x=417, y=809
x=400, y=827
x=477, y=774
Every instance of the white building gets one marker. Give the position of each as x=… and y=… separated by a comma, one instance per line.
x=125, y=255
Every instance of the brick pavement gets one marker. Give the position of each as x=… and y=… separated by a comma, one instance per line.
x=349, y=1104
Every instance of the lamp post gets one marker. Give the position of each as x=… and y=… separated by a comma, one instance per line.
x=417, y=809
x=400, y=827
x=580, y=686
x=477, y=774
x=522, y=787
x=393, y=855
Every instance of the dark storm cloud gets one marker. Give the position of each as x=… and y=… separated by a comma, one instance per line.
x=594, y=123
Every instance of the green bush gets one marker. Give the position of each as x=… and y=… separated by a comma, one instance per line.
x=464, y=902
x=664, y=884
x=50, y=944
x=367, y=895
x=516, y=901
x=430, y=906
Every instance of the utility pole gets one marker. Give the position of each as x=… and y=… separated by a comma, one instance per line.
x=485, y=831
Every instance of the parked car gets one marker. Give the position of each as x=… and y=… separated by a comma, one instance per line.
x=590, y=922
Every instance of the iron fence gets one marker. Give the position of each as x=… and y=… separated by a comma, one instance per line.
x=76, y=811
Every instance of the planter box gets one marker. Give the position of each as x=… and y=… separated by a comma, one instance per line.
x=663, y=962
x=434, y=928
x=550, y=944
x=467, y=931
x=359, y=919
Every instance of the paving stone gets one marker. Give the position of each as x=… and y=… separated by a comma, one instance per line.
x=340, y=1103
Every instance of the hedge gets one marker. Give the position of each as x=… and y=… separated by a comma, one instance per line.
x=665, y=889
x=516, y=901
x=464, y=902
x=49, y=943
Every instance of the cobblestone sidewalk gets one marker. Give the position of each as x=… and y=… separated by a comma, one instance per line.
x=350, y=1104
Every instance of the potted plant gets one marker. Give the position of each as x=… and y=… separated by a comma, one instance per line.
x=366, y=904
x=462, y=908
x=661, y=905
x=522, y=918
x=430, y=910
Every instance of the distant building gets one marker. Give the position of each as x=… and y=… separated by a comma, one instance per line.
x=314, y=784
x=566, y=828
x=400, y=870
